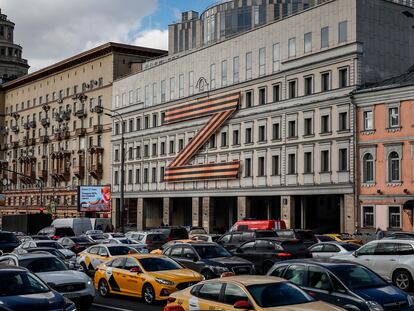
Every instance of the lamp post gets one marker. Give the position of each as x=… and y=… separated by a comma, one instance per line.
x=114, y=114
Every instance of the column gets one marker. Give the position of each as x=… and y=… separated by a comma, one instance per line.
x=195, y=212
x=348, y=213
x=288, y=210
x=140, y=214
x=243, y=208
x=166, y=211
x=207, y=213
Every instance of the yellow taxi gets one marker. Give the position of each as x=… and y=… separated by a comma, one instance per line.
x=168, y=244
x=148, y=276
x=245, y=292
x=344, y=237
x=93, y=256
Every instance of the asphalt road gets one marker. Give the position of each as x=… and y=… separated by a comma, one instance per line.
x=121, y=303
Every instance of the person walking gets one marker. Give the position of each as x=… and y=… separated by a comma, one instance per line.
x=379, y=234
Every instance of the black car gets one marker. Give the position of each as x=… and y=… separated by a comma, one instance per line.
x=173, y=233
x=345, y=284
x=265, y=252
x=8, y=241
x=209, y=259
x=56, y=233
x=76, y=244
x=307, y=236
x=21, y=290
x=234, y=239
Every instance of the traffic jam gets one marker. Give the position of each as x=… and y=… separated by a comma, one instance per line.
x=256, y=265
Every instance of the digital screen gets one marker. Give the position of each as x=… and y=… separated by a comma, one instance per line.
x=94, y=198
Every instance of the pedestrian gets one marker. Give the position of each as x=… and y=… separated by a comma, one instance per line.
x=379, y=234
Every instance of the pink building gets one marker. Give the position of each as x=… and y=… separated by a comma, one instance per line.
x=385, y=152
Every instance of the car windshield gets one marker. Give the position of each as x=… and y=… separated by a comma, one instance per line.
x=355, y=277
x=125, y=241
x=211, y=251
x=49, y=244
x=350, y=247
x=159, y=264
x=117, y=235
x=97, y=237
x=278, y=294
x=8, y=238
x=80, y=240
x=42, y=264
x=15, y=283
x=121, y=250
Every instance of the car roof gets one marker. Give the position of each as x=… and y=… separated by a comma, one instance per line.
x=202, y=243
x=326, y=263
x=143, y=256
x=393, y=241
x=248, y=280
x=334, y=242
x=31, y=256
x=11, y=268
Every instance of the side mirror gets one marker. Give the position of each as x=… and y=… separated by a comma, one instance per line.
x=355, y=254
x=242, y=304
x=135, y=270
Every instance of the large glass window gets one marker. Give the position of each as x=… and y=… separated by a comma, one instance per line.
x=368, y=216
x=307, y=162
x=325, y=161
x=325, y=37
x=262, y=61
x=368, y=168
x=368, y=120
x=276, y=57
x=343, y=159
x=224, y=73
x=292, y=47
x=394, y=218
x=248, y=167
x=261, y=166
x=394, y=167
x=394, y=117
x=308, y=42
x=275, y=165
x=292, y=164
x=343, y=32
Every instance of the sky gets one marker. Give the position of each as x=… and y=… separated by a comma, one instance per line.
x=52, y=30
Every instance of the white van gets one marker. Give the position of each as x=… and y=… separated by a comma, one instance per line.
x=78, y=225
x=104, y=224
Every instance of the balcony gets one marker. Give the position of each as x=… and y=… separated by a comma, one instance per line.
x=45, y=122
x=81, y=113
x=96, y=171
x=44, y=139
x=79, y=171
x=15, y=144
x=42, y=174
x=32, y=124
x=80, y=132
x=98, y=128
x=15, y=129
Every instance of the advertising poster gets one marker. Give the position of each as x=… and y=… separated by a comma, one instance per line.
x=94, y=198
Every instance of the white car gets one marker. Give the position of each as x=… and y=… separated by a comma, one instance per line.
x=330, y=249
x=391, y=259
x=113, y=235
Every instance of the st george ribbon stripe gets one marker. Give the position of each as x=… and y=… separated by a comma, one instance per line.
x=220, y=109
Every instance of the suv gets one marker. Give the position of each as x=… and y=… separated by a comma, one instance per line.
x=232, y=240
x=307, y=236
x=56, y=233
x=8, y=242
x=173, y=233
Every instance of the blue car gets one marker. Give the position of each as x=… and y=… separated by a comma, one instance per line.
x=21, y=290
x=348, y=285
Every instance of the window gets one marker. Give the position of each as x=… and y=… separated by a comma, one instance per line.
x=275, y=165
x=191, y=83
x=180, y=144
x=146, y=151
x=145, y=175
x=172, y=88
x=292, y=164
x=343, y=159
x=163, y=91
x=308, y=42
x=154, y=150
x=343, y=121
x=233, y=293
x=261, y=166
x=236, y=137
x=292, y=47
x=296, y=274
x=394, y=218
x=212, y=141
x=276, y=92
x=224, y=139
x=276, y=131
x=325, y=81
x=249, y=99
x=325, y=37
x=210, y=291
x=154, y=174
x=116, y=156
x=319, y=279
x=116, y=179
x=162, y=148
x=248, y=167
x=224, y=73
x=262, y=133
x=172, y=146
x=343, y=77
x=292, y=129
x=324, y=161
x=248, y=135
x=146, y=122
x=368, y=216
x=131, y=97
x=154, y=120
x=181, y=85
x=393, y=167
x=262, y=61
x=137, y=176
x=248, y=66
x=325, y=124
x=212, y=76
x=130, y=177
x=146, y=96
x=343, y=32
x=308, y=85
x=368, y=168
x=236, y=69
x=292, y=89
x=368, y=120
x=393, y=117
x=262, y=96
x=307, y=157
x=276, y=57
x=308, y=127
x=162, y=173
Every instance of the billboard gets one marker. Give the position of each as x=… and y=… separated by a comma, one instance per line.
x=94, y=198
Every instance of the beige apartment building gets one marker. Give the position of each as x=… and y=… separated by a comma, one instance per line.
x=51, y=139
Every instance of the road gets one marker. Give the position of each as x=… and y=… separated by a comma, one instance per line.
x=120, y=303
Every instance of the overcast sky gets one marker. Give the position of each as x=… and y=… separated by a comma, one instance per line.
x=51, y=30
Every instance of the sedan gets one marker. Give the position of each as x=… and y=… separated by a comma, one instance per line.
x=329, y=249
x=21, y=290
x=348, y=285
x=151, y=277
x=76, y=244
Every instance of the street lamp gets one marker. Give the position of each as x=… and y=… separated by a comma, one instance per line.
x=115, y=114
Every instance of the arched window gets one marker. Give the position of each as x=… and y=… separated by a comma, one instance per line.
x=393, y=167
x=368, y=168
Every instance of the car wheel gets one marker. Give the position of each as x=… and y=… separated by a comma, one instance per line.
x=148, y=294
x=208, y=275
x=403, y=280
x=103, y=288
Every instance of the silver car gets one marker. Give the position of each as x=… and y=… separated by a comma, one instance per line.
x=73, y=285
x=330, y=249
x=392, y=259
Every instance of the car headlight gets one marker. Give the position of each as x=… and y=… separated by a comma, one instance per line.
x=218, y=269
x=374, y=306
x=164, y=282
x=410, y=301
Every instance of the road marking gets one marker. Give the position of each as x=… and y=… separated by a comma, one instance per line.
x=109, y=307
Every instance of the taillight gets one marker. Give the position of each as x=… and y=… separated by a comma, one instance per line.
x=171, y=299
x=55, y=237
x=284, y=255
x=76, y=246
